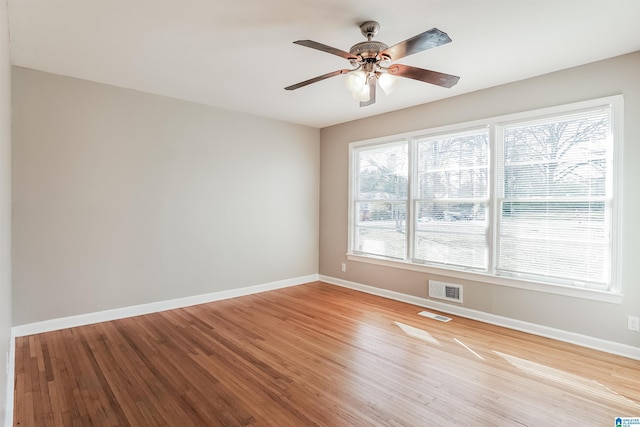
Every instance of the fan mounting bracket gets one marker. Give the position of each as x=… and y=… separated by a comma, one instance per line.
x=369, y=29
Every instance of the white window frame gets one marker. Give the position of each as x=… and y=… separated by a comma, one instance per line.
x=613, y=295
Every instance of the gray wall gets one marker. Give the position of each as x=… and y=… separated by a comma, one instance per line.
x=123, y=198
x=5, y=203
x=601, y=320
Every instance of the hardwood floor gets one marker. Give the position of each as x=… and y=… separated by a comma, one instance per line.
x=314, y=354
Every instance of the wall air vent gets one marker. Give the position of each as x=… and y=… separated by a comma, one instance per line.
x=445, y=291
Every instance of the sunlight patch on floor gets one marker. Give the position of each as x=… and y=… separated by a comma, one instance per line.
x=468, y=348
x=417, y=333
x=575, y=381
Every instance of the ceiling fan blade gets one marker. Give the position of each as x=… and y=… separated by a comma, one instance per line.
x=325, y=48
x=316, y=79
x=372, y=92
x=428, y=76
x=431, y=38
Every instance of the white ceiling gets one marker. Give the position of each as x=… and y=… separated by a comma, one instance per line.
x=239, y=54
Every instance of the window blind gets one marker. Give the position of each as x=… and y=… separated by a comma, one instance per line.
x=452, y=192
x=554, y=198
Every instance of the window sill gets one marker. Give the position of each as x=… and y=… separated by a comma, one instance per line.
x=591, y=294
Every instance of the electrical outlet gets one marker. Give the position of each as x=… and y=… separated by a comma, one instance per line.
x=633, y=323
x=344, y=267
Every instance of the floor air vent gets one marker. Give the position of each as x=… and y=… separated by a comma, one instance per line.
x=434, y=316
x=445, y=291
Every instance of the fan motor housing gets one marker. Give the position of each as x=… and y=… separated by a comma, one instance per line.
x=368, y=49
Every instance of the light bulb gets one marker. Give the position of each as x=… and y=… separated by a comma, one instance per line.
x=387, y=83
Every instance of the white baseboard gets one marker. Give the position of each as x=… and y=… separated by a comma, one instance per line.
x=154, y=307
x=532, y=328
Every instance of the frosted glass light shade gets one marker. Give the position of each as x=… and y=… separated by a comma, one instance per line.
x=388, y=83
x=363, y=94
x=355, y=80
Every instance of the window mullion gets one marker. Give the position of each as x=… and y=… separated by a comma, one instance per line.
x=495, y=153
x=410, y=222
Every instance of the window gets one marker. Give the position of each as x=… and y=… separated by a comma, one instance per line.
x=452, y=199
x=381, y=200
x=527, y=198
x=554, y=198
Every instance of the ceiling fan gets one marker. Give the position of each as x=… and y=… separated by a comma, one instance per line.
x=372, y=63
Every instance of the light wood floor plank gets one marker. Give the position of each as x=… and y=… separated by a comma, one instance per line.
x=313, y=354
